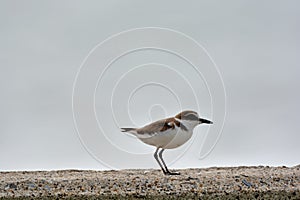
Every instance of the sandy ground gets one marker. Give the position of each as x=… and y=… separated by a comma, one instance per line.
x=209, y=183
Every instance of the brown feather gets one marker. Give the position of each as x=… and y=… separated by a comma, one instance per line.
x=184, y=114
x=161, y=126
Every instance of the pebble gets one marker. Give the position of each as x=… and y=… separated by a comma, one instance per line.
x=31, y=185
x=10, y=186
x=246, y=183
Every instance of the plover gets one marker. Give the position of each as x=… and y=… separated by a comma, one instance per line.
x=168, y=133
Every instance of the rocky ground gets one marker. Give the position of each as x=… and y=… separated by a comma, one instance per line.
x=216, y=182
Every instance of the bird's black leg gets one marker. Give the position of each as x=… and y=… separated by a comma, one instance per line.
x=167, y=171
x=156, y=158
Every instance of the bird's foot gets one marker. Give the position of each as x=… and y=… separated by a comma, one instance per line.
x=171, y=173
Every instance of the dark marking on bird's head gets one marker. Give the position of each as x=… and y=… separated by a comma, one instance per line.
x=188, y=115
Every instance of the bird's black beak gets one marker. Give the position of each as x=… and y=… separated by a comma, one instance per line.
x=204, y=121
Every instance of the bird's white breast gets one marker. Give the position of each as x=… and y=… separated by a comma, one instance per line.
x=168, y=139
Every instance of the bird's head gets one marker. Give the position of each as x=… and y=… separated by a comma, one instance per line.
x=191, y=119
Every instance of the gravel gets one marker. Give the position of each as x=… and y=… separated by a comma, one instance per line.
x=209, y=183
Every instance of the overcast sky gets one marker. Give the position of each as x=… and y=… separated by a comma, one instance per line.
x=255, y=45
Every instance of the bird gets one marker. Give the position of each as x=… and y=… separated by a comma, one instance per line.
x=168, y=133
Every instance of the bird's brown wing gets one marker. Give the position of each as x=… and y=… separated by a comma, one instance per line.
x=159, y=126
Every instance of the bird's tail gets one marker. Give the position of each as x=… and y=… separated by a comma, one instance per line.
x=129, y=130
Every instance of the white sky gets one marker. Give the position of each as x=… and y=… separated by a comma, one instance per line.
x=255, y=44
